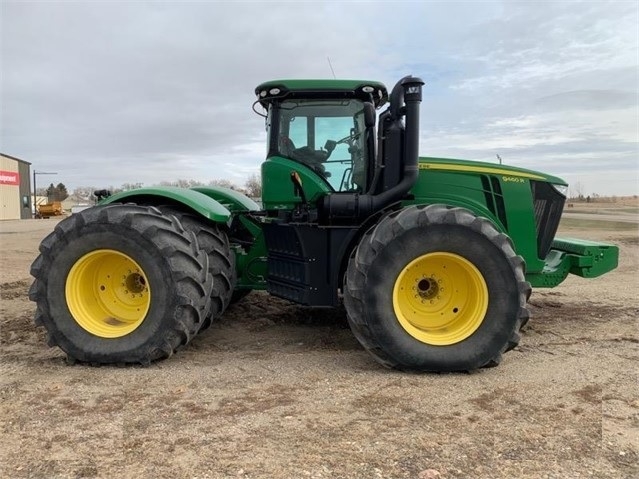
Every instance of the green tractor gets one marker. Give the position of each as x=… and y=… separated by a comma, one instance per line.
x=433, y=258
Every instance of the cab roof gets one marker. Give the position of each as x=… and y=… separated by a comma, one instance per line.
x=361, y=89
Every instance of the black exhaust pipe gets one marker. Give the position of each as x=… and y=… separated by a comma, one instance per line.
x=405, y=100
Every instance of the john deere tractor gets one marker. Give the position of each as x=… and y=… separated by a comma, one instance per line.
x=434, y=259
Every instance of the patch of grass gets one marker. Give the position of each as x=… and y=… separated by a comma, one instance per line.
x=598, y=224
x=633, y=209
x=604, y=211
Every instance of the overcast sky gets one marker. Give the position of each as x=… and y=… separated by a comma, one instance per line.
x=105, y=93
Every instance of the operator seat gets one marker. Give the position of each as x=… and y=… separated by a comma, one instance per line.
x=310, y=157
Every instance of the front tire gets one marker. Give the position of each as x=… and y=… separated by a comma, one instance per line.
x=120, y=284
x=435, y=288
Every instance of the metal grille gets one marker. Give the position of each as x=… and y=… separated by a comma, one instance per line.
x=548, y=204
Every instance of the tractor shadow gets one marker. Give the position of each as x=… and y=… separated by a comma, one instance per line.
x=265, y=323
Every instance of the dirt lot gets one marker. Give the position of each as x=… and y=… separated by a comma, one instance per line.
x=276, y=390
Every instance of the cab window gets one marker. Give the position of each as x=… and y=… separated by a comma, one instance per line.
x=328, y=136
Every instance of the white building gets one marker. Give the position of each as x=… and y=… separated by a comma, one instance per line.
x=15, y=188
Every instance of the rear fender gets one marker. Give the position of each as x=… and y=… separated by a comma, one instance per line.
x=193, y=200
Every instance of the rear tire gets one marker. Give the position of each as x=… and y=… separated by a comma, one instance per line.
x=435, y=288
x=120, y=284
x=214, y=242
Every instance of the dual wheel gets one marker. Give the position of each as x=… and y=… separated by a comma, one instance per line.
x=129, y=283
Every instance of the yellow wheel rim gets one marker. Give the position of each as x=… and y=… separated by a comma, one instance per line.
x=440, y=298
x=107, y=293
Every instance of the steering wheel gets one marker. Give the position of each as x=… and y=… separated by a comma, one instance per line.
x=349, y=139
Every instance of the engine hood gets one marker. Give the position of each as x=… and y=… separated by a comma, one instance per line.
x=450, y=164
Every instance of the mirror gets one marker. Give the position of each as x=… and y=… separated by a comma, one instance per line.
x=369, y=114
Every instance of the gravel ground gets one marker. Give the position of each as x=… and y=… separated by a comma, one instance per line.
x=277, y=390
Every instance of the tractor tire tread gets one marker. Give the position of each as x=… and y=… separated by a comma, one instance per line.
x=214, y=242
x=189, y=267
x=379, y=236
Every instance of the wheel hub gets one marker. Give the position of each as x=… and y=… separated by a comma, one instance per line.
x=107, y=293
x=440, y=298
x=427, y=288
x=135, y=283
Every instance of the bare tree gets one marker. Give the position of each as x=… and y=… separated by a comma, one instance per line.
x=577, y=191
x=131, y=186
x=253, y=186
x=57, y=193
x=222, y=183
x=182, y=183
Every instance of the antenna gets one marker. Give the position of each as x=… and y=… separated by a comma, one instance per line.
x=330, y=65
x=499, y=158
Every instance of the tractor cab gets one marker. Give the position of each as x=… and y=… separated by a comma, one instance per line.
x=327, y=136
x=325, y=125
x=321, y=145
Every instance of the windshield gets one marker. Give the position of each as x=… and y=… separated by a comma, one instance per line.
x=328, y=136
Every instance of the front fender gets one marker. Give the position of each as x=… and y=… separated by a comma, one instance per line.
x=194, y=200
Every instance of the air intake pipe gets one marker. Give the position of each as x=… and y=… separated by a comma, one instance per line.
x=405, y=100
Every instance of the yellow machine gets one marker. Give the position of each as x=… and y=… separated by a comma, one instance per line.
x=50, y=209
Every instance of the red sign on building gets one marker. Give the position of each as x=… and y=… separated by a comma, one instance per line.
x=9, y=177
